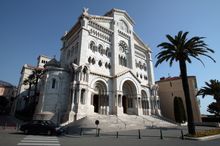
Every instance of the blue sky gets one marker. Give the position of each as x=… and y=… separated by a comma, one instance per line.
x=29, y=28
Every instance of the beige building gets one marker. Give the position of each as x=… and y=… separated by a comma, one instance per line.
x=171, y=87
x=7, y=96
x=26, y=71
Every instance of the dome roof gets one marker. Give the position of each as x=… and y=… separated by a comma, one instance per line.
x=3, y=83
x=53, y=62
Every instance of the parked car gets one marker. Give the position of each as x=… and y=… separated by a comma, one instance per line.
x=41, y=127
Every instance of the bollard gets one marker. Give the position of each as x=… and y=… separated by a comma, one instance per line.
x=98, y=134
x=161, y=134
x=5, y=125
x=81, y=131
x=139, y=133
x=182, y=135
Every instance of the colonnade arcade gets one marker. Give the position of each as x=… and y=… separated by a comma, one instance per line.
x=145, y=102
x=100, y=98
x=128, y=98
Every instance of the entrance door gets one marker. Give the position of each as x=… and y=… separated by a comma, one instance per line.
x=96, y=103
x=124, y=104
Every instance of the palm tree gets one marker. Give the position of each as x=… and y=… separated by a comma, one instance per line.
x=37, y=73
x=212, y=89
x=30, y=80
x=180, y=49
x=31, y=101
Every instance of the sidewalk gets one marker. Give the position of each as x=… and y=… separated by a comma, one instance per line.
x=148, y=137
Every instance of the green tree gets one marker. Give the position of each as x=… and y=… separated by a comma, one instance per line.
x=181, y=50
x=212, y=88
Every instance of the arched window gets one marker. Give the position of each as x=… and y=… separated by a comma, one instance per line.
x=107, y=51
x=100, y=48
x=92, y=46
x=93, y=61
x=123, y=26
x=123, y=47
x=53, y=83
x=82, y=97
x=109, y=66
x=85, y=74
x=103, y=51
x=106, y=65
x=100, y=63
x=89, y=60
x=145, y=67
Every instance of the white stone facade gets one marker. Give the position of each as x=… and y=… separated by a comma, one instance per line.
x=104, y=68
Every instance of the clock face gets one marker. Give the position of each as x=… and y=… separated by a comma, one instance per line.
x=123, y=46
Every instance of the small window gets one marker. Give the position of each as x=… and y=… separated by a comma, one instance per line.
x=106, y=65
x=145, y=77
x=53, y=83
x=82, y=98
x=109, y=54
x=75, y=61
x=107, y=50
x=92, y=45
x=89, y=60
x=100, y=63
x=145, y=68
x=100, y=49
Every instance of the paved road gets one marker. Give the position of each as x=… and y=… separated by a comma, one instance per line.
x=149, y=137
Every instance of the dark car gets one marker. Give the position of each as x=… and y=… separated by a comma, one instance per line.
x=41, y=127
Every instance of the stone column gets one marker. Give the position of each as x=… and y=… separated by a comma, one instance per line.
x=150, y=68
x=149, y=107
x=72, y=96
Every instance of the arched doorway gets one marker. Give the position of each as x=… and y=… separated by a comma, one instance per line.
x=129, y=98
x=100, y=98
x=124, y=104
x=144, y=102
x=96, y=103
x=179, y=110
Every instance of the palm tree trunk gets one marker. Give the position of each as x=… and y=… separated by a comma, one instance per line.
x=29, y=90
x=183, y=70
x=35, y=89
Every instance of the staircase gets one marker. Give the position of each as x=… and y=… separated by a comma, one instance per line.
x=108, y=123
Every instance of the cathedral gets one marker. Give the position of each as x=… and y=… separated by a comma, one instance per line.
x=104, y=68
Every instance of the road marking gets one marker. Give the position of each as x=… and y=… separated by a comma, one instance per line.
x=39, y=141
x=42, y=144
x=32, y=140
x=40, y=138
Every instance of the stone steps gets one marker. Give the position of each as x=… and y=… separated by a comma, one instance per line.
x=110, y=123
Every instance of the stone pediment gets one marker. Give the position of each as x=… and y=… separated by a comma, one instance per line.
x=102, y=21
x=114, y=10
x=101, y=18
x=140, y=43
x=127, y=72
